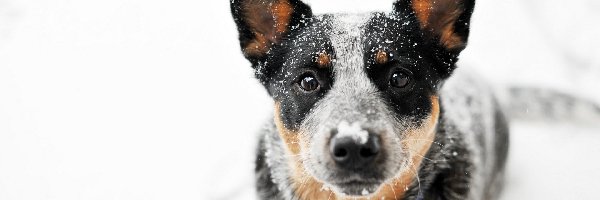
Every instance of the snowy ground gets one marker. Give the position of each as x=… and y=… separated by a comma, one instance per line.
x=147, y=99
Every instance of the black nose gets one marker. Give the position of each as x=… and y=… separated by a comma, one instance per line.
x=348, y=153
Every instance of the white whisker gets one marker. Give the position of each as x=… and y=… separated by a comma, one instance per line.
x=416, y=173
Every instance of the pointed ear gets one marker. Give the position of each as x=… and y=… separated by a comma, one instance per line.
x=263, y=23
x=444, y=20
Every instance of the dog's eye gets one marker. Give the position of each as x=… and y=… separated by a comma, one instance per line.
x=309, y=83
x=399, y=79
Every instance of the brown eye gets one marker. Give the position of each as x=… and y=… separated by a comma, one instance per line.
x=399, y=79
x=309, y=83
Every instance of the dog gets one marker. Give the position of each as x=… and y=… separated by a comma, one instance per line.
x=369, y=106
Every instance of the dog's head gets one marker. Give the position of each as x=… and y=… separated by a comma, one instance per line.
x=355, y=95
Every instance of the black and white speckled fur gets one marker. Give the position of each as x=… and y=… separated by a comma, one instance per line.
x=465, y=162
x=470, y=135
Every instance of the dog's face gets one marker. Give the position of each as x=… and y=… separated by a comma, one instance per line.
x=355, y=95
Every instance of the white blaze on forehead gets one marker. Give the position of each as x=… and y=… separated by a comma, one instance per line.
x=354, y=131
x=349, y=6
x=347, y=37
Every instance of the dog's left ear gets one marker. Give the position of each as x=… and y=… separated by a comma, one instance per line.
x=262, y=23
x=446, y=21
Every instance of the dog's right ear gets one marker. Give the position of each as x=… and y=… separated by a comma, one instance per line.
x=446, y=21
x=262, y=23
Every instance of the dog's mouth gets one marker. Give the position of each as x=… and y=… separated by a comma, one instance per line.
x=356, y=188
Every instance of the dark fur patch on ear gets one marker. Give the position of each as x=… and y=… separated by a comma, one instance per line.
x=268, y=20
x=445, y=20
x=263, y=23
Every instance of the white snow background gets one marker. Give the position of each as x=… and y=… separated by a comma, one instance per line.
x=147, y=99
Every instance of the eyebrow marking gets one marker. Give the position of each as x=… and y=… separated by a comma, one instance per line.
x=324, y=60
x=381, y=57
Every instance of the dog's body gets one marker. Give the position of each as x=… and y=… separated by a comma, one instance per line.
x=360, y=111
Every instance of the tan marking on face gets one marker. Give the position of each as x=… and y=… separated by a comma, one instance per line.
x=268, y=21
x=291, y=138
x=306, y=186
x=417, y=142
x=323, y=60
x=381, y=57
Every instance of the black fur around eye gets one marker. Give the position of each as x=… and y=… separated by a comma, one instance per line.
x=309, y=83
x=400, y=79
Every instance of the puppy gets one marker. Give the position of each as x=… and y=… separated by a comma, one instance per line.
x=367, y=106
